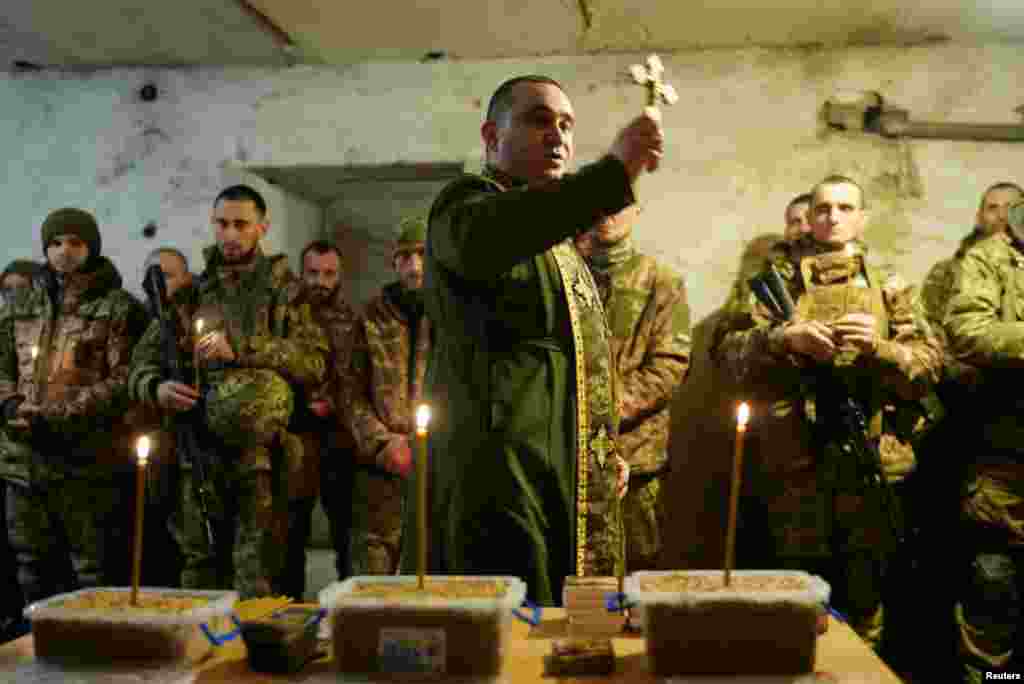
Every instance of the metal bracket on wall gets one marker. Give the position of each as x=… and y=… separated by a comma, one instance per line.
x=866, y=111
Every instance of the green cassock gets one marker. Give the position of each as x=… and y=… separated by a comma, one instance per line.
x=523, y=478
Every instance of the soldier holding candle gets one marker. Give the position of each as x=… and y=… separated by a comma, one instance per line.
x=62, y=406
x=389, y=360
x=823, y=453
x=258, y=341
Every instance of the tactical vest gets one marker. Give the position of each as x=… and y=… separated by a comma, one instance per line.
x=836, y=284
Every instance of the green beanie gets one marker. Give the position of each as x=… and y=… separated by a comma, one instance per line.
x=412, y=229
x=23, y=267
x=69, y=221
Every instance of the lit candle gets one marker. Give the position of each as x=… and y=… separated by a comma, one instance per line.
x=422, y=419
x=142, y=449
x=35, y=364
x=195, y=350
x=742, y=416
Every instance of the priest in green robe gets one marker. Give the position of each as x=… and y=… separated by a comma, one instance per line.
x=526, y=474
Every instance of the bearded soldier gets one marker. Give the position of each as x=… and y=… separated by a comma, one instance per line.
x=322, y=423
x=823, y=452
x=940, y=479
x=649, y=319
x=65, y=343
x=526, y=469
x=392, y=345
x=985, y=324
x=257, y=342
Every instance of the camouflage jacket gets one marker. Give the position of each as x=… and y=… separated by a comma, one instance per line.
x=338, y=321
x=748, y=343
x=649, y=318
x=258, y=306
x=935, y=296
x=84, y=330
x=985, y=324
x=386, y=375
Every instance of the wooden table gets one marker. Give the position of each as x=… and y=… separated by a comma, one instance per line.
x=842, y=658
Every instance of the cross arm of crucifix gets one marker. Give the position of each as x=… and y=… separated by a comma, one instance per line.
x=650, y=75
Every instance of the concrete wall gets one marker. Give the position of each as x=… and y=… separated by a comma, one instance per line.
x=746, y=136
x=363, y=221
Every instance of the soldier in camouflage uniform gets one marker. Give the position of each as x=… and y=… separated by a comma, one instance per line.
x=985, y=324
x=795, y=217
x=649, y=319
x=391, y=347
x=937, y=486
x=257, y=342
x=18, y=275
x=816, y=485
x=322, y=423
x=64, y=349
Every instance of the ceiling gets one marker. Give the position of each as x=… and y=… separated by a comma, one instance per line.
x=103, y=33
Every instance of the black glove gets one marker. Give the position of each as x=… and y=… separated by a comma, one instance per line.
x=10, y=407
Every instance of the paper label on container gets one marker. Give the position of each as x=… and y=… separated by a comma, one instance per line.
x=411, y=650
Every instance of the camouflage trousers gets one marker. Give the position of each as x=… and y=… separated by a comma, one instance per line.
x=988, y=614
x=642, y=518
x=376, y=541
x=250, y=531
x=68, y=533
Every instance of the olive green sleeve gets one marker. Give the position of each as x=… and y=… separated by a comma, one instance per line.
x=480, y=232
x=974, y=318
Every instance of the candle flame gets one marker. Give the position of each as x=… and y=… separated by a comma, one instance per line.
x=142, y=449
x=199, y=326
x=422, y=417
x=35, y=352
x=742, y=416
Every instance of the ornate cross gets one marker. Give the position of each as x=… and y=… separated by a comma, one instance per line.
x=650, y=76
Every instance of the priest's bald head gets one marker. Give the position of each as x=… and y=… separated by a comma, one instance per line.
x=528, y=133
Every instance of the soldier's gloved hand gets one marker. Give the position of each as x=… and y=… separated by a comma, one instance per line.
x=176, y=396
x=810, y=338
x=10, y=407
x=622, y=481
x=396, y=457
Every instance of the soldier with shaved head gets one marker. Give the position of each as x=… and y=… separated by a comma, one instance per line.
x=827, y=454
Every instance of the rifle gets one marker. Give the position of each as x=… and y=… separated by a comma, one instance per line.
x=185, y=424
x=841, y=423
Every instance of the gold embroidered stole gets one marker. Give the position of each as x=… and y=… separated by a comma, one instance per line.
x=598, y=519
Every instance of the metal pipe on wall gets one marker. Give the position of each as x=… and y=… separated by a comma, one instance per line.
x=896, y=123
